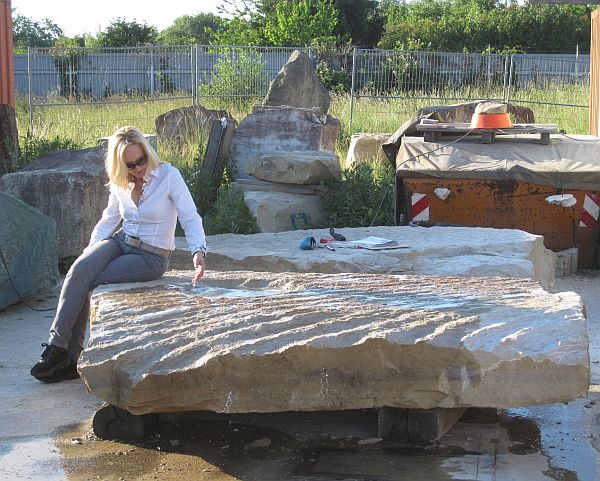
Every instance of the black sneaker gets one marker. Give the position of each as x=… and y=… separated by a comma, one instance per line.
x=66, y=374
x=54, y=359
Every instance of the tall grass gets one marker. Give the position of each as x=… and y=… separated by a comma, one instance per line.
x=84, y=124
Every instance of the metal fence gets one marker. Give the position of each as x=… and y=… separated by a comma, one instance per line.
x=378, y=81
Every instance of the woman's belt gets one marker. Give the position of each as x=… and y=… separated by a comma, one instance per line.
x=140, y=244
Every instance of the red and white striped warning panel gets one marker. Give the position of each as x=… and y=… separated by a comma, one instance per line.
x=420, y=207
x=589, y=213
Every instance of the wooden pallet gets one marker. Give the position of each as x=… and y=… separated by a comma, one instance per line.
x=433, y=132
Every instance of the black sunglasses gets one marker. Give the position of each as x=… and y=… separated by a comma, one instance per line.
x=141, y=162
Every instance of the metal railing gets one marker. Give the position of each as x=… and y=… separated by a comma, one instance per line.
x=191, y=74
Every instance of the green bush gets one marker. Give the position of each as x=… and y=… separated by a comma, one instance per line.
x=230, y=214
x=33, y=147
x=355, y=200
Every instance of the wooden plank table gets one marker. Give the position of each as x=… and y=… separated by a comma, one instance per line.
x=432, y=132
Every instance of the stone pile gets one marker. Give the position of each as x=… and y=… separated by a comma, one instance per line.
x=285, y=148
x=268, y=342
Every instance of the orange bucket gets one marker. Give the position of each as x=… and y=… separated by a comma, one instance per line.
x=490, y=121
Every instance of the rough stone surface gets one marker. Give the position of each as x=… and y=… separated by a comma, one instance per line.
x=268, y=342
x=456, y=251
x=299, y=167
x=297, y=85
x=365, y=147
x=68, y=186
x=179, y=126
x=28, y=247
x=283, y=211
x=281, y=129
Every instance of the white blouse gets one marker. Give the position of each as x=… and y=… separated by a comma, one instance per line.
x=164, y=198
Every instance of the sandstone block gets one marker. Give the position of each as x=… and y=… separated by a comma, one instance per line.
x=365, y=147
x=283, y=211
x=297, y=85
x=270, y=342
x=268, y=130
x=68, y=186
x=28, y=246
x=180, y=126
x=454, y=251
x=300, y=167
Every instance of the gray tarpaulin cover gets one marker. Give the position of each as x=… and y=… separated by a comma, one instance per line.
x=28, y=247
x=567, y=163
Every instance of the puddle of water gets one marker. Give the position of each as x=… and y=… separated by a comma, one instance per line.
x=30, y=458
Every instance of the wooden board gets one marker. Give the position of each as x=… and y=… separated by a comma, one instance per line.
x=433, y=132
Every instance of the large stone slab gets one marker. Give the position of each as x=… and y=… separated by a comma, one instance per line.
x=68, y=186
x=268, y=130
x=268, y=342
x=29, y=262
x=457, y=251
x=298, y=85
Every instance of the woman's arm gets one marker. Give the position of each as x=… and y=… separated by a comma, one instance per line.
x=190, y=221
x=108, y=222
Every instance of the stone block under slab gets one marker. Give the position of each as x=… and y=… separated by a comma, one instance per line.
x=416, y=426
x=270, y=342
x=452, y=251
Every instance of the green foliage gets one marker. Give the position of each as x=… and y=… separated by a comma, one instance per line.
x=33, y=33
x=230, y=214
x=360, y=22
x=301, y=22
x=33, y=147
x=236, y=73
x=121, y=33
x=477, y=25
x=197, y=29
x=355, y=200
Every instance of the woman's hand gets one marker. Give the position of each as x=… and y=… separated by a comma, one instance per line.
x=198, y=265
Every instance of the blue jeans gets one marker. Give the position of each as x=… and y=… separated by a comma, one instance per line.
x=106, y=262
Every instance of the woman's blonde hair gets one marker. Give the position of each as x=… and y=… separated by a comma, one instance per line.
x=115, y=165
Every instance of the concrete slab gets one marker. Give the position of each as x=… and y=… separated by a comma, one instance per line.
x=267, y=342
x=454, y=251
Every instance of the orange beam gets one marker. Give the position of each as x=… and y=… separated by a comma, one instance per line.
x=7, y=73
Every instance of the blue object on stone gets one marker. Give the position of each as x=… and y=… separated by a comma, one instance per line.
x=308, y=243
x=28, y=252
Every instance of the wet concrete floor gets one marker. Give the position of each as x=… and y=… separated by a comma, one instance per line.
x=45, y=431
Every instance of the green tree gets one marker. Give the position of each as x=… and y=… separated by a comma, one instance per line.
x=301, y=22
x=121, y=33
x=360, y=22
x=478, y=25
x=200, y=29
x=32, y=33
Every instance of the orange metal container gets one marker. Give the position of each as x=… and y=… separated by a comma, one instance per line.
x=507, y=204
x=490, y=121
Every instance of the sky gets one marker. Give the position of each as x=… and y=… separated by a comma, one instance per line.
x=76, y=17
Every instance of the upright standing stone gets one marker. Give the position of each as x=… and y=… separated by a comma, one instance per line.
x=297, y=85
x=9, y=139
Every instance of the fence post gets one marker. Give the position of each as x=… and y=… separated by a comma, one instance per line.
x=510, y=74
x=505, y=78
x=30, y=92
x=192, y=77
x=577, y=62
x=352, y=87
